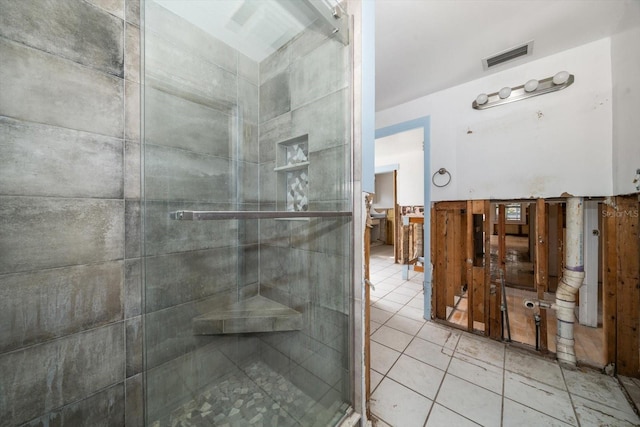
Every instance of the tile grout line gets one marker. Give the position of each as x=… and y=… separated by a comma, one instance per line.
x=573, y=406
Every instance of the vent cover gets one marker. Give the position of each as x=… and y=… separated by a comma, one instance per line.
x=508, y=55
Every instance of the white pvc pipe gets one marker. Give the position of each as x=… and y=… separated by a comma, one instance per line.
x=572, y=278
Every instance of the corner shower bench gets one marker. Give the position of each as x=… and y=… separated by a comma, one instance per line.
x=257, y=313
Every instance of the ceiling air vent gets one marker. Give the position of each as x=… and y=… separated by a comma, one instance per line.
x=508, y=55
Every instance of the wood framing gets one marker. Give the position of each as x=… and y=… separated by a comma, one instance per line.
x=470, y=252
x=628, y=286
x=541, y=269
x=493, y=294
x=609, y=282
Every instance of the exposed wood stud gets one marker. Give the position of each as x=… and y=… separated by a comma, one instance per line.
x=470, y=254
x=541, y=269
x=628, y=288
x=609, y=282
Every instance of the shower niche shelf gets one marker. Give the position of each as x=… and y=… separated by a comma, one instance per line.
x=292, y=167
x=255, y=314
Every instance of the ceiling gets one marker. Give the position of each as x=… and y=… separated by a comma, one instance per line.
x=424, y=46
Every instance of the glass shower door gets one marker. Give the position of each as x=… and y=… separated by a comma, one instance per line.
x=246, y=213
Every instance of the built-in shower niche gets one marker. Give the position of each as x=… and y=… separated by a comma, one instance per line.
x=254, y=314
x=292, y=167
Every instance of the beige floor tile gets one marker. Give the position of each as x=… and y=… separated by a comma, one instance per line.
x=439, y=335
x=398, y=297
x=429, y=353
x=382, y=358
x=392, y=338
x=376, y=378
x=541, y=397
x=398, y=406
x=535, y=367
x=443, y=417
x=404, y=324
x=477, y=372
x=412, y=313
x=516, y=414
x=592, y=413
x=418, y=376
x=379, y=315
x=597, y=387
x=482, y=349
x=388, y=305
x=471, y=401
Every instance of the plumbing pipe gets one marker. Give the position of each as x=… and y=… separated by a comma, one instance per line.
x=539, y=303
x=572, y=278
x=536, y=319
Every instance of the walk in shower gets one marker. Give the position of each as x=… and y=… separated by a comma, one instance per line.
x=246, y=212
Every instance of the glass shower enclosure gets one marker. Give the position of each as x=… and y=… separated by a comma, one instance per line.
x=246, y=213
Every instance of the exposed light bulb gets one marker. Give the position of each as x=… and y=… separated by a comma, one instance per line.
x=531, y=85
x=561, y=77
x=505, y=92
x=482, y=99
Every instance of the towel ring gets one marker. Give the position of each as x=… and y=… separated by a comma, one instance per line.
x=441, y=171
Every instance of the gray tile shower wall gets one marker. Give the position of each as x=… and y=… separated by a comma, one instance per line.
x=306, y=264
x=69, y=194
x=201, y=153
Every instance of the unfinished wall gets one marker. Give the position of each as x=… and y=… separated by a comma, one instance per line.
x=625, y=66
x=70, y=341
x=539, y=147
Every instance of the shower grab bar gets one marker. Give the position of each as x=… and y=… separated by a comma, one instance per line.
x=213, y=215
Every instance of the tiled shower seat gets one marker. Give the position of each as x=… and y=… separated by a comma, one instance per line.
x=255, y=314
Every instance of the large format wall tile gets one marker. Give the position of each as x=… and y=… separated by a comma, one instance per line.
x=174, y=174
x=134, y=343
x=175, y=70
x=321, y=72
x=134, y=405
x=328, y=175
x=176, y=122
x=42, y=378
x=248, y=69
x=45, y=232
x=274, y=97
x=132, y=287
x=41, y=160
x=46, y=304
x=164, y=235
x=188, y=276
x=115, y=7
x=132, y=11
x=187, y=37
x=273, y=132
x=68, y=28
x=312, y=119
x=40, y=87
x=132, y=151
x=132, y=53
x=103, y=409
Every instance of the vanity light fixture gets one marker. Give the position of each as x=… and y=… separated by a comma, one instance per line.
x=531, y=88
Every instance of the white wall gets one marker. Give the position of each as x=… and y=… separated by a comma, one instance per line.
x=540, y=147
x=625, y=68
x=383, y=198
x=404, y=149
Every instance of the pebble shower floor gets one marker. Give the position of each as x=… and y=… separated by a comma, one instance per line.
x=255, y=396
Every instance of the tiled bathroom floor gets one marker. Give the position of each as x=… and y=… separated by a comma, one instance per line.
x=426, y=374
